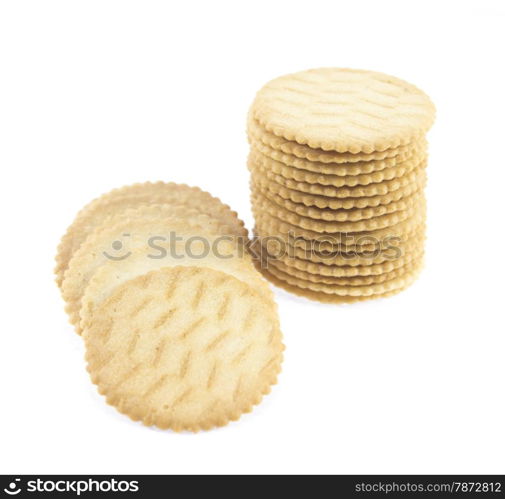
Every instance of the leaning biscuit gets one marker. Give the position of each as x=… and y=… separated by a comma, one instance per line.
x=344, y=110
x=184, y=348
x=131, y=196
x=182, y=212
x=155, y=228
x=229, y=258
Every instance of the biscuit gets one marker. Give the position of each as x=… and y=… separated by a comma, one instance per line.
x=381, y=288
x=261, y=204
x=340, y=169
x=134, y=195
x=324, y=297
x=322, y=269
x=334, y=241
x=327, y=248
x=134, y=229
x=337, y=215
x=260, y=137
x=110, y=274
x=321, y=201
x=344, y=110
x=182, y=212
x=265, y=230
x=388, y=252
x=369, y=190
x=337, y=163
x=184, y=348
x=289, y=172
x=357, y=280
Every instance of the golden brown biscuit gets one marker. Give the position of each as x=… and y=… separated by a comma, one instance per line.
x=328, y=241
x=336, y=215
x=324, y=297
x=261, y=204
x=289, y=172
x=184, y=348
x=344, y=110
x=155, y=229
x=261, y=139
x=357, y=280
x=370, y=190
x=381, y=288
x=93, y=214
x=342, y=169
x=388, y=251
x=366, y=269
x=333, y=203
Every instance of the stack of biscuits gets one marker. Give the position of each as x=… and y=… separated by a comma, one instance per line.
x=337, y=162
x=180, y=329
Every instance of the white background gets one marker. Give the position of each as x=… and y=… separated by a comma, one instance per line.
x=97, y=94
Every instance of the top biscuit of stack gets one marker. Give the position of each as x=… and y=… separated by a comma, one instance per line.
x=343, y=110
